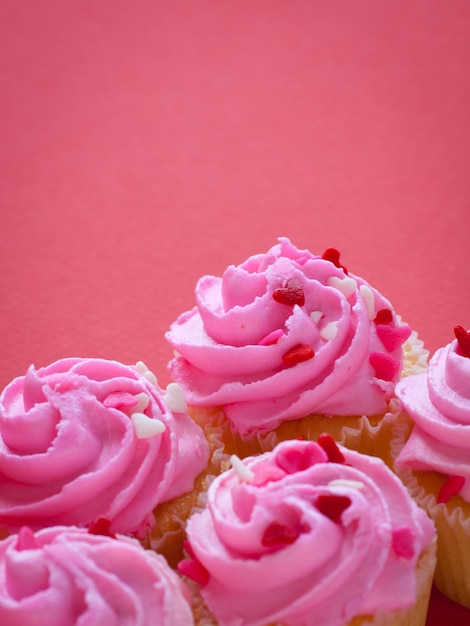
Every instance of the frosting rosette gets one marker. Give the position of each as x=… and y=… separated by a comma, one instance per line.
x=439, y=404
x=306, y=534
x=64, y=576
x=284, y=335
x=83, y=439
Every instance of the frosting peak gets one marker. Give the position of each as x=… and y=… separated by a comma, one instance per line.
x=286, y=334
x=82, y=439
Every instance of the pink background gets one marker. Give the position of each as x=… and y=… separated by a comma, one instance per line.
x=145, y=143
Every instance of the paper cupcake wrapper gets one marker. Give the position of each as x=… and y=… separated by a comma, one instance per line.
x=416, y=356
x=411, y=616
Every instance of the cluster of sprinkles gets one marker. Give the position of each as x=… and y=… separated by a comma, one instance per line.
x=385, y=365
x=454, y=484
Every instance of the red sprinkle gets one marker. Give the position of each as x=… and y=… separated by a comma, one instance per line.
x=452, y=486
x=332, y=505
x=384, y=316
x=463, y=338
x=393, y=337
x=277, y=535
x=297, y=354
x=101, y=526
x=386, y=366
x=330, y=446
x=292, y=293
x=332, y=255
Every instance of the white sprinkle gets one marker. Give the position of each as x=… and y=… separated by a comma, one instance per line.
x=175, y=399
x=142, y=402
x=344, y=482
x=347, y=285
x=329, y=332
x=141, y=367
x=146, y=427
x=369, y=300
x=316, y=316
x=241, y=470
x=144, y=370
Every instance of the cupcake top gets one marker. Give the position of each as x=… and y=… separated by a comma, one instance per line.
x=64, y=576
x=439, y=404
x=306, y=534
x=286, y=334
x=83, y=439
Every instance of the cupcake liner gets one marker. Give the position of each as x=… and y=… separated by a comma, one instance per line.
x=415, y=355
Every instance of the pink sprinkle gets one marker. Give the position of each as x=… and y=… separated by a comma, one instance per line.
x=272, y=338
x=119, y=399
x=393, y=337
x=386, y=366
x=293, y=460
x=194, y=570
x=266, y=474
x=402, y=542
x=452, y=486
x=26, y=539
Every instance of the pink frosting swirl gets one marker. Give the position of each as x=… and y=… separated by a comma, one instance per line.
x=439, y=404
x=65, y=576
x=82, y=439
x=286, y=334
x=289, y=537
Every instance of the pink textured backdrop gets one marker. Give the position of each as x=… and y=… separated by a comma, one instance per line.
x=145, y=143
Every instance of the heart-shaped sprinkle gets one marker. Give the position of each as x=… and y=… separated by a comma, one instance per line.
x=329, y=445
x=278, y=535
x=144, y=370
x=243, y=472
x=271, y=338
x=293, y=460
x=332, y=505
x=333, y=255
x=369, y=300
x=402, y=542
x=174, y=398
x=451, y=487
x=463, y=339
x=386, y=366
x=384, y=316
x=298, y=354
x=120, y=399
x=101, y=526
x=393, y=337
x=193, y=569
x=26, y=539
x=329, y=331
x=146, y=427
x=316, y=316
x=347, y=286
x=292, y=293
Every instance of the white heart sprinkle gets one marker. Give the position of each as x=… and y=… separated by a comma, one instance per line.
x=146, y=427
x=369, y=300
x=144, y=370
x=347, y=285
x=175, y=399
x=344, y=482
x=141, y=367
x=329, y=332
x=241, y=470
x=142, y=402
x=316, y=316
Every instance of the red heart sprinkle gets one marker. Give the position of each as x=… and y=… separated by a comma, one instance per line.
x=463, y=338
x=332, y=255
x=119, y=399
x=332, y=505
x=386, y=366
x=293, y=460
x=330, y=446
x=297, y=354
x=292, y=293
x=402, y=542
x=101, y=526
x=277, y=535
x=451, y=487
x=384, y=316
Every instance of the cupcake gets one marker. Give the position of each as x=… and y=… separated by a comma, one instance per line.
x=90, y=439
x=291, y=344
x=434, y=462
x=310, y=533
x=65, y=576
